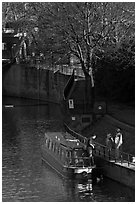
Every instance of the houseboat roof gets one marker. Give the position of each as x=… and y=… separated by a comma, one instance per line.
x=65, y=139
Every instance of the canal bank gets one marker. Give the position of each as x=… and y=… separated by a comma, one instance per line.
x=119, y=115
x=122, y=172
x=120, y=169
x=22, y=80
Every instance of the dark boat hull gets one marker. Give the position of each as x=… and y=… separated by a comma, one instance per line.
x=63, y=170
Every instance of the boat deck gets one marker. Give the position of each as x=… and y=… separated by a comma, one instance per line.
x=65, y=139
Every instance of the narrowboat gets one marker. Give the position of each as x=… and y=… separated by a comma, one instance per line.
x=67, y=155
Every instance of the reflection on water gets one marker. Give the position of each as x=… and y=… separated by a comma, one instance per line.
x=25, y=177
x=82, y=190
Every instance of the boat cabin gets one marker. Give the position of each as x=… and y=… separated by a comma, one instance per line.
x=67, y=149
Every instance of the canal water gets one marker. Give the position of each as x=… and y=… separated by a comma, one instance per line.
x=25, y=178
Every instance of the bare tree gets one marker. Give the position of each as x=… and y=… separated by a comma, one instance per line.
x=88, y=30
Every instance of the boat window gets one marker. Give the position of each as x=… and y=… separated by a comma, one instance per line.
x=62, y=153
x=54, y=147
x=58, y=150
x=48, y=144
x=80, y=153
x=68, y=154
x=46, y=140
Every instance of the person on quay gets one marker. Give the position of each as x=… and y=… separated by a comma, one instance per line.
x=91, y=147
x=118, y=143
x=109, y=142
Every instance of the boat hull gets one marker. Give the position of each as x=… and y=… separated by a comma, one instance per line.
x=63, y=170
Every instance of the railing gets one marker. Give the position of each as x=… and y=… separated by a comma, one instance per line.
x=64, y=69
x=104, y=152
x=81, y=138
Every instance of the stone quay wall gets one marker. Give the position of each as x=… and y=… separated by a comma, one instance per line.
x=24, y=81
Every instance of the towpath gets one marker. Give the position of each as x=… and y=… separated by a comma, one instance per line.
x=118, y=115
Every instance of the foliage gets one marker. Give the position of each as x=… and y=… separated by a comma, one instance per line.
x=115, y=78
x=93, y=32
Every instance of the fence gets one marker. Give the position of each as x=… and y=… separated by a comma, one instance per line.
x=64, y=69
x=104, y=152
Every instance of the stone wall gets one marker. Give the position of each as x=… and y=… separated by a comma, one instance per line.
x=122, y=174
x=30, y=82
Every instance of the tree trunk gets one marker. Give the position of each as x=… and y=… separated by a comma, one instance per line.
x=89, y=94
x=89, y=87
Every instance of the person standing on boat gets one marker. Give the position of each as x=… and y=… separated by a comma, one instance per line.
x=118, y=143
x=90, y=147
